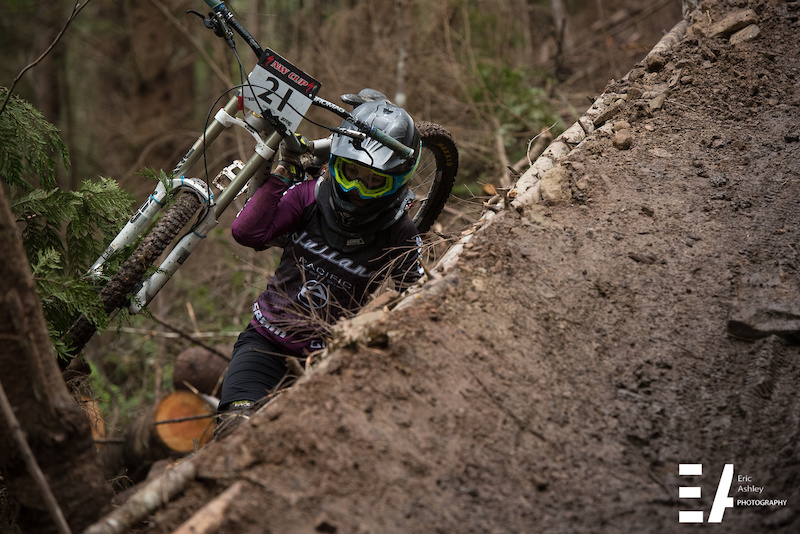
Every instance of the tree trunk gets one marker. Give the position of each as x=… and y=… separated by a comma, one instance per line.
x=55, y=427
x=560, y=23
x=163, y=85
x=401, y=8
x=49, y=77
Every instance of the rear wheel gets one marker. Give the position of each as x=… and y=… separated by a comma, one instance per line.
x=435, y=175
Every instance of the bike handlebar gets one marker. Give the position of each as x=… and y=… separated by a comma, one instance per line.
x=367, y=130
x=228, y=17
x=385, y=139
x=370, y=131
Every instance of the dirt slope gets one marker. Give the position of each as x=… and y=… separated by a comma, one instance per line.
x=579, y=352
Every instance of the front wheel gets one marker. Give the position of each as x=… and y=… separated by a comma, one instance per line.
x=116, y=292
x=435, y=175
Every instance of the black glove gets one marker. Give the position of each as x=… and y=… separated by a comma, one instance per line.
x=295, y=162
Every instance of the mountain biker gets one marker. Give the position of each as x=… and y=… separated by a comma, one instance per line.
x=344, y=234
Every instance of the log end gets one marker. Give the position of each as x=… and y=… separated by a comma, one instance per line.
x=192, y=419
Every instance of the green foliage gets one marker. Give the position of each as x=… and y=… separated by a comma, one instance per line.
x=72, y=223
x=64, y=231
x=64, y=297
x=160, y=176
x=517, y=99
x=518, y=92
x=27, y=146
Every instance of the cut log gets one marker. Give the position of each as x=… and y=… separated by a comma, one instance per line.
x=148, y=499
x=168, y=430
x=191, y=421
x=201, y=369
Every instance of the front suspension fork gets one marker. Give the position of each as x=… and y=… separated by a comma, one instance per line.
x=144, y=216
x=210, y=218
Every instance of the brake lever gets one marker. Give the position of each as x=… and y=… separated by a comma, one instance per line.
x=209, y=23
x=218, y=25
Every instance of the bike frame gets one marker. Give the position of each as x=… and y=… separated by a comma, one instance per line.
x=267, y=140
x=267, y=143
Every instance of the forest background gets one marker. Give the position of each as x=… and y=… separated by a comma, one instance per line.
x=132, y=83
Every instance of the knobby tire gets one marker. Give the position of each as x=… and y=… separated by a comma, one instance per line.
x=441, y=145
x=117, y=291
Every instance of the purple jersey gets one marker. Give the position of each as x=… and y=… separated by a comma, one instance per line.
x=315, y=284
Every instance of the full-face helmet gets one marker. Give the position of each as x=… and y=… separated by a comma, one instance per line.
x=366, y=185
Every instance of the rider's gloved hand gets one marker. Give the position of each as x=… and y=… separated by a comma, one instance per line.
x=292, y=160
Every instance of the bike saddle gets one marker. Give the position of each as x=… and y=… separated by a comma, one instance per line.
x=365, y=95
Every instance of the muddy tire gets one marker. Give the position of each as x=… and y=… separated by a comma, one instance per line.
x=118, y=289
x=435, y=176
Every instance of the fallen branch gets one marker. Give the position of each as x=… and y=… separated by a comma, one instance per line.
x=184, y=419
x=669, y=40
x=209, y=517
x=33, y=466
x=147, y=500
x=177, y=335
x=536, y=146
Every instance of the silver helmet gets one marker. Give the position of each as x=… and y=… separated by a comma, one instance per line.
x=366, y=185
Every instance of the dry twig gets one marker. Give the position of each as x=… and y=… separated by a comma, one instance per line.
x=75, y=10
x=209, y=517
x=145, y=501
x=33, y=466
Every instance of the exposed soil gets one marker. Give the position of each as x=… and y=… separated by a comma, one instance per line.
x=554, y=380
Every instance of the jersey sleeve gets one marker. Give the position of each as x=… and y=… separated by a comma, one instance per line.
x=272, y=212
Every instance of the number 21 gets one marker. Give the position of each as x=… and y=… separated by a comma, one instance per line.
x=274, y=87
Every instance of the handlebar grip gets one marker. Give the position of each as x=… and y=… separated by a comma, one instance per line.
x=386, y=139
x=293, y=144
x=213, y=4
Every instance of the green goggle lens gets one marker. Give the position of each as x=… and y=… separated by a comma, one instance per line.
x=368, y=182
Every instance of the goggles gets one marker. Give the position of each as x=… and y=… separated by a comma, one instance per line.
x=368, y=182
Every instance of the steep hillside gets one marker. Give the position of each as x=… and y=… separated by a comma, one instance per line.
x=646, y=315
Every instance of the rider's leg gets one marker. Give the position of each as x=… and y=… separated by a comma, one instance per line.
x=256, y=369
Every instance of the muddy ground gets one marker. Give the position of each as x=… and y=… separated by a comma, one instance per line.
x=555, y=379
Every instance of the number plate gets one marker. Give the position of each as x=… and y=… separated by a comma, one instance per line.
x=280, y=88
